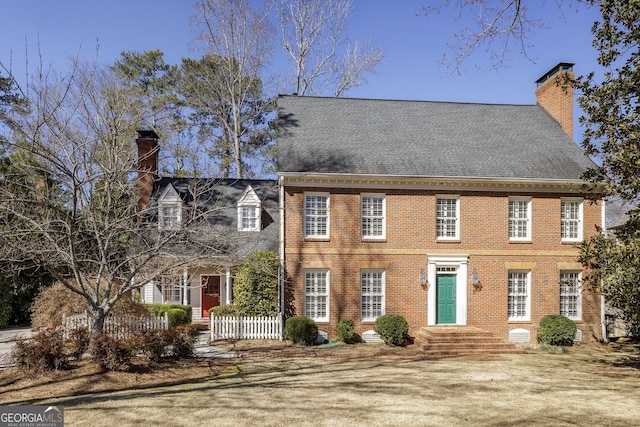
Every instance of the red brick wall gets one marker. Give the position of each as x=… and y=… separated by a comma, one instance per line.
x=411, y=236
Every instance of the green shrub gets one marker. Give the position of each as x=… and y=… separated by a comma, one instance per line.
x=177, y=316
x=43, y=352
x=160, y=309
x=345, y=331
x=300, y=329
x=255, y=288
x=223, y=310
x=392, y=328
x=114, y=354
x=555, y=329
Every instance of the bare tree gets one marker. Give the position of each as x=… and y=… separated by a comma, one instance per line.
x=313, y=36
x=70, y=204
x=499, y=26
x=236, y=41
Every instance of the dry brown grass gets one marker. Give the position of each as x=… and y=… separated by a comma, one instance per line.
x=591, y=385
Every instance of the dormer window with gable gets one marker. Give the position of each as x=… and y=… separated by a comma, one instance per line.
x=170, y=209
x=249, y=209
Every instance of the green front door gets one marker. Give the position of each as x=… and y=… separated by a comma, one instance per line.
x=446, y=298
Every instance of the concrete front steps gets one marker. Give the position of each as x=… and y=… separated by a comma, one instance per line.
x=451, y=341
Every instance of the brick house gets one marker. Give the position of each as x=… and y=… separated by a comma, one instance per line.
x=238, y=218
x=450, y=214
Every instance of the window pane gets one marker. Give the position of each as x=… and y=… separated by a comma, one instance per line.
x=316, y=295
x=372, y=294
x=569, y=219
x=570, y=295
x=372, y=216
x=518, y=295
x=518, y=219
x=249, y=218
x=446, y=217
x=316, y=215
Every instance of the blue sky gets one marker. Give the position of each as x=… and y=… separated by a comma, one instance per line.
x=413, y=44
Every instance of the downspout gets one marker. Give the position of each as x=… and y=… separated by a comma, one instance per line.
x=281, y=241
x=603, y=317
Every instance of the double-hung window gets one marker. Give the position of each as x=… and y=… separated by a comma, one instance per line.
x=520, y=219
x=170, y=215
x=372, y=285
x=249, y=219
x=570, y=295
x=249, y=211
x=571, y=220
x=447, y=217
x=372, y=207
x=518, y=295
x=316, y=215
x=171, y=289
x=316, y=295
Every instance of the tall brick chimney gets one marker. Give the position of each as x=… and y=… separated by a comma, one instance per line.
x=556, y=97
x=147, y=142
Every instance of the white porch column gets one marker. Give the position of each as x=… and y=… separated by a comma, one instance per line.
x=185, y=286
x=227, y=286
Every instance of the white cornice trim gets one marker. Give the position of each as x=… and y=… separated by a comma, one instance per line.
x=400, y=182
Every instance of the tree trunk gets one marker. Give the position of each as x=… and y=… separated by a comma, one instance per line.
x=97, y=323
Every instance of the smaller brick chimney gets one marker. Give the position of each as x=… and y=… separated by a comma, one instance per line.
x=147, y=142
x=556, y=97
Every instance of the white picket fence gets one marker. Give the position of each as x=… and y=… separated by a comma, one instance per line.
x=246, y=328
x=119, y=326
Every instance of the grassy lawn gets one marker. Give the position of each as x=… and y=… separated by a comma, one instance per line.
x=592, y=385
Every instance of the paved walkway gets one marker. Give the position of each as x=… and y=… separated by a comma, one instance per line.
x=203, y=349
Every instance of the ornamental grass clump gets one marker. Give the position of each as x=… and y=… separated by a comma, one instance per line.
x=556, y=329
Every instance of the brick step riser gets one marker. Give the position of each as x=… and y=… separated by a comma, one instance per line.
x=457, y=340
x=463, y=346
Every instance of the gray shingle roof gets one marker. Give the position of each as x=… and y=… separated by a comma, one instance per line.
x=219, y=197
x=426, y=139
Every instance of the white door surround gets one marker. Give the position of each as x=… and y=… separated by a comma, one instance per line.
x=460, y=262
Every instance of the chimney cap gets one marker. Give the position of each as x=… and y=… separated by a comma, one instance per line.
x=146, y=134
x=562, y=66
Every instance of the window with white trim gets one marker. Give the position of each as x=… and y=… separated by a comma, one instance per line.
x=372, y=207
x=447, y=217
x=571, y=220
x=249, y=219
x=570, y=295
x=249, y=210
x=316, y=215
x=171, y=289
x=519, y=219
x=518, y=295
x=316, y=295
x=372, y=285
x=169, y=215
x=169, y=209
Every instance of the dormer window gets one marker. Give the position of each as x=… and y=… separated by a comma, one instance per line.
x=169, y=209
x=249, y=210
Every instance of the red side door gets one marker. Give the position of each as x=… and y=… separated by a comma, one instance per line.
x=210, y=293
